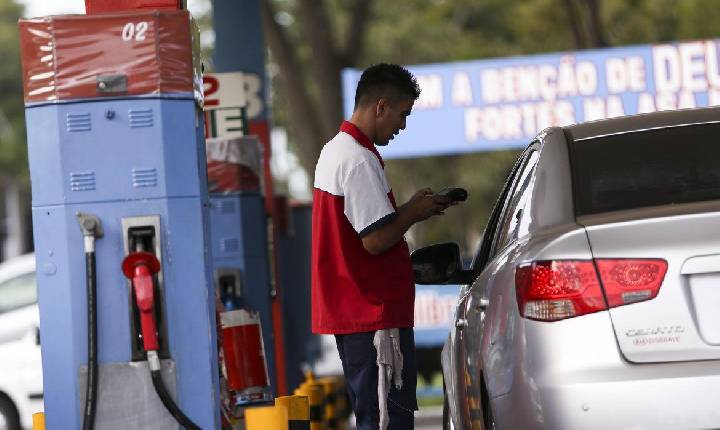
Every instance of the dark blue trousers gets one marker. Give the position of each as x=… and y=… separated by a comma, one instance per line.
x=358, y=357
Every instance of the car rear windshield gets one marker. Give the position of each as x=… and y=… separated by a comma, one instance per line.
x=646, y=168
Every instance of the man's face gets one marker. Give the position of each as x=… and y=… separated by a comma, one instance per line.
x=391, y=118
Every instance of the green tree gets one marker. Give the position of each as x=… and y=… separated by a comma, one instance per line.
x=309, y=77
x=14, y=183
x=425, y=31
x=13, y=153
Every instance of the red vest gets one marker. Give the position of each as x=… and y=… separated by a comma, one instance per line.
x=352, y=290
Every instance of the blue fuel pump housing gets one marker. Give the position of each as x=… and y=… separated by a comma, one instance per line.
x=137, y=163
x=240, y=255
x=119, y=171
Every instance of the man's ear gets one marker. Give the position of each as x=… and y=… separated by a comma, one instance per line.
x=381, y=106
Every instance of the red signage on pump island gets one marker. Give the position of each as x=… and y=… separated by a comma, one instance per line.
x=119, y=54
x=93, y=7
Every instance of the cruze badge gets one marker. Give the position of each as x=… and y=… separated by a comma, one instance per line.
x=655, y=335
x=667, y=330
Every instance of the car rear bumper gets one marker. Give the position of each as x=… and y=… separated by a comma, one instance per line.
x=582, y=382
x=672, y=403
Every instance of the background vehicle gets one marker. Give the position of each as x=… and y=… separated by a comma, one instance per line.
x=20, y=362
x=593, y=299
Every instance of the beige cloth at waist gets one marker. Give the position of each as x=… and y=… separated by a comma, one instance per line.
x=390, y=366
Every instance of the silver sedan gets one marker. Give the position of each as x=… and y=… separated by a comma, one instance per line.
x=593, y=301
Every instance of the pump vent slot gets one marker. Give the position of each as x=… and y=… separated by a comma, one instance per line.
x=230, y=245
x=228, y=207
x=82, y=181
x=140, y=118
x=78, y=122
x=144, y=178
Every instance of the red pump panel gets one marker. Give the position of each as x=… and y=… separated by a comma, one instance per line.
x=243, y=351
x=234, y=165
x=93, y=7
x=128, y=53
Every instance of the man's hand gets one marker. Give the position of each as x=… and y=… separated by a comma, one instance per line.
x=421, y=206
x=424, y=204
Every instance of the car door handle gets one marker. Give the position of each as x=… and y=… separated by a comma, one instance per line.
x=461, y=323
x=482, y=304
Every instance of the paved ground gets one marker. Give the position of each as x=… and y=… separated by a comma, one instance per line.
x=429, y=418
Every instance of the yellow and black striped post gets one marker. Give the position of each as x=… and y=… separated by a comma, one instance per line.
x=328, y=383
x=38, y=421
x=342, y=405
x=298, y=411
x=316, y=399
x=266, y=418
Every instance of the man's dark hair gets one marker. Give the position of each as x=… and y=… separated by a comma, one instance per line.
x=385, y=80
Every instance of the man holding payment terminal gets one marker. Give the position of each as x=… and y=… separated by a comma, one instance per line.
x=362, y=280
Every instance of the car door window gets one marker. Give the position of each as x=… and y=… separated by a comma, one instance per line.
x=483, y=251
x=18, y=292
x=513, y=218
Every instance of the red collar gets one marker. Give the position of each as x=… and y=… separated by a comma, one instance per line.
x=361, y=138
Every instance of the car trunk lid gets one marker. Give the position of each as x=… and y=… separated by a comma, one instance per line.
x=683, y=321
x=654, y=195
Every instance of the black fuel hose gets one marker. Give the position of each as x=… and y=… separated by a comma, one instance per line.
x=92, y=375
x=91, y=228
x=179, y=416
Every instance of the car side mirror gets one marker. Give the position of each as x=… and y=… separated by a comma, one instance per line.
x=439, y=264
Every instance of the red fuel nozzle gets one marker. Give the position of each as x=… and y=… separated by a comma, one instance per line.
x=140, y=267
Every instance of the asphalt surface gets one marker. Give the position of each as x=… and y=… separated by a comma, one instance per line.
x=427, y=418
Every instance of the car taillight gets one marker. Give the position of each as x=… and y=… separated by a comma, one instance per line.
x=559, y=289
x=631, y=280
x=555, y=290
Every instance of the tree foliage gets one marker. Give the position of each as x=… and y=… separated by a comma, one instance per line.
x=13, y=152
x=425, y=31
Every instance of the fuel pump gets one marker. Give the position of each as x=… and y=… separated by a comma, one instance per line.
x=240, y=263
x=115, y=129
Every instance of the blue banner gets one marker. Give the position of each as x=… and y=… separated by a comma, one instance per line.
x=434, y=312
x=503, y=103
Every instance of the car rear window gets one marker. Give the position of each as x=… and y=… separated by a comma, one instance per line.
x=646, y=168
